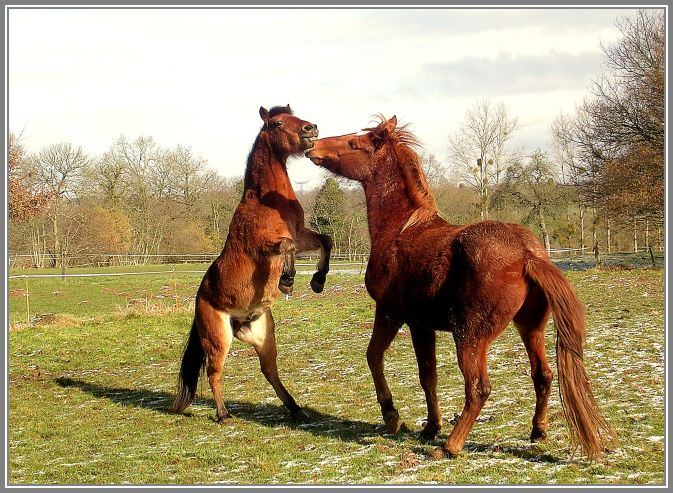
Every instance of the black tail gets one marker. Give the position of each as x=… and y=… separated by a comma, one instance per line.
x=193, y=361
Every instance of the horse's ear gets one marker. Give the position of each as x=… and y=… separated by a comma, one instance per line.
x=393, y=121
x=264, y=114
x=379, y=135
x=289, y=110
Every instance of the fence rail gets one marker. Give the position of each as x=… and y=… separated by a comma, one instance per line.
x=84, y=260
x=25, y=260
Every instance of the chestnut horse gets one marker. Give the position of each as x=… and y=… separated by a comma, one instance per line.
x=471, y=280
x=238, y=290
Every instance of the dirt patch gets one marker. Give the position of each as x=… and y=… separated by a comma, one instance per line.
x=243, y=353
x=409, y=459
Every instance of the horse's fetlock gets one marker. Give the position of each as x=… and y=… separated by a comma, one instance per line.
x=392, y=420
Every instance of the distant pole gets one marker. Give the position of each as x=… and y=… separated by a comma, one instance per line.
x=62, y=264
x=27, y=301
x=596, y=254
x=301, y=185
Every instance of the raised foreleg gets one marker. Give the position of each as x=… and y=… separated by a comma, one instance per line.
x=307, y=241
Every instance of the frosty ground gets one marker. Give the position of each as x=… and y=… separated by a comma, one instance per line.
x=92, y=374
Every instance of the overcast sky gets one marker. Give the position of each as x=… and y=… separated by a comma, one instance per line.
x=197, y=77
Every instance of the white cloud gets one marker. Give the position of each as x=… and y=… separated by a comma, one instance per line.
x=197, y=77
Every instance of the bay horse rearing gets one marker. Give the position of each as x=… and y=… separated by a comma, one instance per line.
x=471, y=280
x=257, y=263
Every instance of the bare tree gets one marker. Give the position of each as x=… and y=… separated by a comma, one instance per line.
x=24, y=200
x=478, y=149
x=613, y=146
x=531, y=185
x=433, y=169
x=189, y=177
x=60, y=169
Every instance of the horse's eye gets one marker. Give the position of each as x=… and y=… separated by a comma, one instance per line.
x=351, y=145
x=277, y=123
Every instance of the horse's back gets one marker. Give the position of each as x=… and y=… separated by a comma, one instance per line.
x=441, y=269
x=495, y=244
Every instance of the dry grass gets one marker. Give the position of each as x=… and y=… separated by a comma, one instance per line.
x=89, y=392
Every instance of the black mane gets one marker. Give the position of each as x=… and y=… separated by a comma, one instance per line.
x=247, y=177
x=280, y=110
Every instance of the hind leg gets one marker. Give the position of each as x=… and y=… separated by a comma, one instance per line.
x=216, y=336
x=261, y=335
x=471, y=353
x=424, y=341
x=531, y=321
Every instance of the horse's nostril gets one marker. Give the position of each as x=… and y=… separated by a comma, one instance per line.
x=308, y=128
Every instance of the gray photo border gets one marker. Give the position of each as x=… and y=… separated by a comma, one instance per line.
x=154, y=4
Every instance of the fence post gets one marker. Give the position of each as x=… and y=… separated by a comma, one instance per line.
x=25, y=278
x=652, y=256
x=63, y=264
x=596, y=254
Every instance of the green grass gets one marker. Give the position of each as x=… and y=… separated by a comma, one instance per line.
x=89, y=388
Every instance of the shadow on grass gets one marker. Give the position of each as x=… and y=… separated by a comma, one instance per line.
x=273, y=415
x=270, y=415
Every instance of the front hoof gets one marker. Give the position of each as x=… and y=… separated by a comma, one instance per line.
x=430, y=430
x=318, y=282
x=393, y=422
x=285, y=289
x=537, y=435
x=300, y=416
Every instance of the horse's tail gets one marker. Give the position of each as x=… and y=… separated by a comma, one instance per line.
x=588, y=427
x=193, y=360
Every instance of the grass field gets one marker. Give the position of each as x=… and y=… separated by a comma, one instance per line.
x=93, y=373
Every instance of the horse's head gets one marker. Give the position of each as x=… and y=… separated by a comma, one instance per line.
x=286, y=133
x=354, y=155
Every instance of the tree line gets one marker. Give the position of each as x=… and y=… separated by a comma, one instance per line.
x=600, y=187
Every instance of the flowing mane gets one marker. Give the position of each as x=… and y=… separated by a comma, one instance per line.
x=405, y=145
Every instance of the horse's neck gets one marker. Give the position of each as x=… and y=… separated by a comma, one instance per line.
x=388, y=209
x=269, y=173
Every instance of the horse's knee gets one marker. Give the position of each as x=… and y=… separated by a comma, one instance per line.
x=287, y=246
x=327, y=242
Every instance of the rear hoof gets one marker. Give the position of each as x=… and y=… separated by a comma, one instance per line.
x=318, y=282
x=430, y=430
x=537, y=435
x=393, y=422
x=300, y=416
